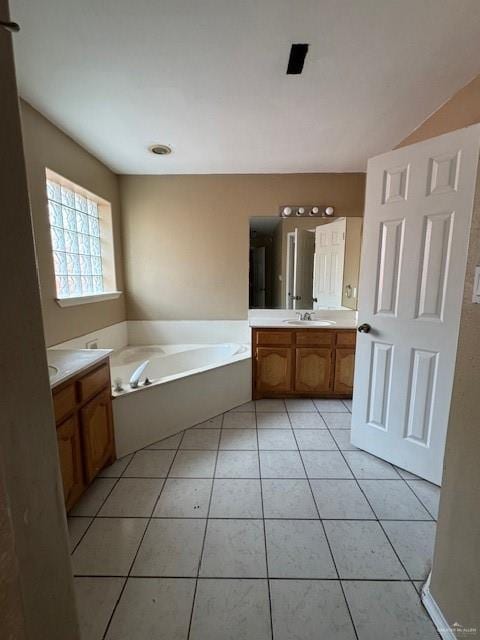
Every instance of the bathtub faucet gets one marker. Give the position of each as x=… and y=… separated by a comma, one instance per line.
x=135, y=379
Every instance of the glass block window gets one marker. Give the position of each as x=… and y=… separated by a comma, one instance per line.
x=76, y=243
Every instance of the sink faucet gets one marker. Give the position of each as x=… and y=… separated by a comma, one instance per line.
x=307, y=315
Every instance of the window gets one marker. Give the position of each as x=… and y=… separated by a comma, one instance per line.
x=82, y=243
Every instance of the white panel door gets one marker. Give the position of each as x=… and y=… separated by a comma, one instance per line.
x=418, y=209
x=329, y=261
x=304, y=250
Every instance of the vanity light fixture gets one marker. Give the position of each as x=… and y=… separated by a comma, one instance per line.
x=160, y=149
x=303, y=211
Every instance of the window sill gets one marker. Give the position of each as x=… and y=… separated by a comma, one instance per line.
x=97, y=297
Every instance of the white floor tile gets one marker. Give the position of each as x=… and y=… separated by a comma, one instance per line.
x=288, y=499
x=393, y=500
x=167, y=443
x=247, y=406
x=366, y=466
x=184, y=498
x=94, y=497
x=406, y=475
x=239, y=420
x=428, y=494
x=276, y=439
x=348, y=404
x=116, y=469
x=325, y=464
x=315, y=440
x=300, y=405
x=193, y=464
x=236, y=499
x=231, y=610
x=239, y=439
x=109, y=547
x=149, y=464
x=234, y=549
x=132, y=498
x=96, y=598
x=237, y=464
x=307, y=421
x=341, y=499
x=362, y=551
x=270, y=405
x=298, y=549
x=281, y=464
x=309, y=610
x=153, y=608
x=342, y=438
x=273, y=420
x=76, y=529
x=201, y=439
x=170, y=548
x=338, y=420
x=414, y=543
x=388, y=609
x=211, y=423
x=330, y=406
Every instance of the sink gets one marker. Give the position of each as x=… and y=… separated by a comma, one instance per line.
x=52, y=371
x=310, y=323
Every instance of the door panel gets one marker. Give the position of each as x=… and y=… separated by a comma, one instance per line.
x=344, y=368
x=273, y=369
x=416, y=228
x=313, y=370
x=97, y=434
x=70, y=456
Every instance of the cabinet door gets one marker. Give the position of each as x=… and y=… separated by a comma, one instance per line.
x=70, y=455
x=344, y=367
x=313, y=370
x=273, y=369
x=97, y=434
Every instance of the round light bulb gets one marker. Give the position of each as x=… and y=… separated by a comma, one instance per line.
x=329, y=211
x=287, y=211
x=314, y=211
x=301, y=210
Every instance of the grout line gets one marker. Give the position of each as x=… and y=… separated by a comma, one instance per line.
x=329, y=548
x=200, y=558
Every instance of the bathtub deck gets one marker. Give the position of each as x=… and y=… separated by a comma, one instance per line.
x=261, y=523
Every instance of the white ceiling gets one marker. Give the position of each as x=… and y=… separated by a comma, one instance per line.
x=208, y=77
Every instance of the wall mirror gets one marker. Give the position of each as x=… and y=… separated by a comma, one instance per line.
x=304, y=263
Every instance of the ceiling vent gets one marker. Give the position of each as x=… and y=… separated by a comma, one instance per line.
x=297, y=59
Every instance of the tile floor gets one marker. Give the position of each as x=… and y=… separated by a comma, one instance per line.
x=264, y=523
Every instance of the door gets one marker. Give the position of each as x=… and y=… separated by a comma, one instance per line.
x=70, y=457
x=303, y=278
x=259, y=277
x=273, y=370
x=417, y=222
x=329, y=262
x=97, y=434
x=313, y=370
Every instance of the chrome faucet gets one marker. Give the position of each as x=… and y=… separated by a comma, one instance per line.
x=135, y=379
x=307, y=315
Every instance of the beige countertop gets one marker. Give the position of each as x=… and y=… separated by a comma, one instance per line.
x=70, y=362
x=291, y=323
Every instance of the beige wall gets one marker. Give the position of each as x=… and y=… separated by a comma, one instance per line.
x=46, y=146
x=186, y=237
x=36, y=586
x=455, y=581
x=462, y=110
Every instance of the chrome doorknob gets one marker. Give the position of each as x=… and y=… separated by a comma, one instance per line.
x=364, y=328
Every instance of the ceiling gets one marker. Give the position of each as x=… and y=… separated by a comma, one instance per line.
x=208, y=78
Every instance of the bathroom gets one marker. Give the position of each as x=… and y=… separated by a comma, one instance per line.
x=211, y=345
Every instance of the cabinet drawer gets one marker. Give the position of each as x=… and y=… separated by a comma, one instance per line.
x=64, y=402
x=274, y=338
x=346, y=338
x=315, y=338
x=93, y=382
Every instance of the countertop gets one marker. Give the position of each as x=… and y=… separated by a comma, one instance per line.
x=280, y=323
x=70, y=362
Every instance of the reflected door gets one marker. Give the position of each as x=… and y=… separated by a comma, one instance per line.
x=303, y=278
x=417, y=221
x=329, y=262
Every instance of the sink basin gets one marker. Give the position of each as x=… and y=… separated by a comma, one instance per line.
x=52, y=371
x=310, y=323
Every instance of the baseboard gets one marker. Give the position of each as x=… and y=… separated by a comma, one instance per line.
x=435, y=613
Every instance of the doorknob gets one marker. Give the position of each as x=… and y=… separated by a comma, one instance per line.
x=364, y=328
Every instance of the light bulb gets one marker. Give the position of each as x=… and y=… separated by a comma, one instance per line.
x=314, y=211
x=287, y=211
x=329, y=211
x=301, y=211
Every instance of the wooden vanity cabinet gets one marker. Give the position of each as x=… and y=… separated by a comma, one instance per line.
x=303, y=362
x=83, y=414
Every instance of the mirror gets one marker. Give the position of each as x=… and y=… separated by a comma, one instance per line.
x=304, y=263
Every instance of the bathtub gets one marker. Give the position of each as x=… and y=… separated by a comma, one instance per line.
x=189, y=383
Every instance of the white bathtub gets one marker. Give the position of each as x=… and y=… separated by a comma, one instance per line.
x=189, y=384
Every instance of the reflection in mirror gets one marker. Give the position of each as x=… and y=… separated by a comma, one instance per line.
x=304, y=263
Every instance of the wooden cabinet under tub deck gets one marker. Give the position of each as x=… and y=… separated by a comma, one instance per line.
x=303, y=362
x=83, y=414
